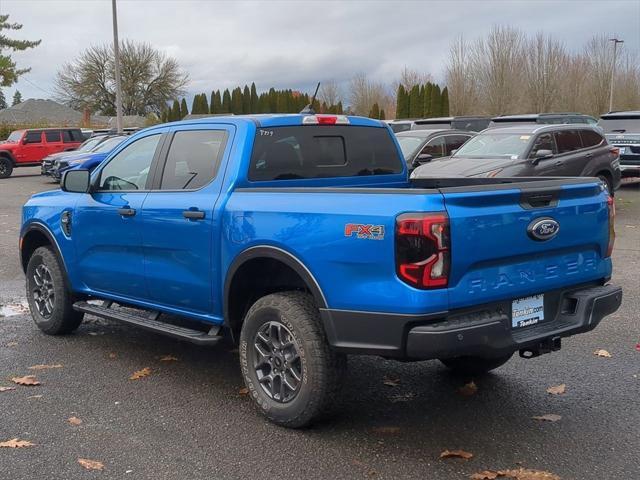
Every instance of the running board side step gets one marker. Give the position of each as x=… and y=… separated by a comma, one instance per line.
x=151, y=323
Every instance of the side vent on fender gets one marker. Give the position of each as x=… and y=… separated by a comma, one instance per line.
x=65, y=222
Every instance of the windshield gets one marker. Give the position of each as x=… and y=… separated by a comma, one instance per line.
x=109, y=144
x=620, y=124
x=89, y=144
x=489, y=145
x=409, y=145
x=15, y=136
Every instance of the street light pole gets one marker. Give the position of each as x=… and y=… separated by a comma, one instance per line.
x=116, y=53
x=613, y=70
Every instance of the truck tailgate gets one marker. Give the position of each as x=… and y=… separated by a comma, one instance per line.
x=495, y=257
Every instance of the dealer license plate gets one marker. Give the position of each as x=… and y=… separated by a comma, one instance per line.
x=527, y=311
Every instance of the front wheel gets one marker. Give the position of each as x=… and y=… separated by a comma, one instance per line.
x=288, y=366
x=50, y=301
x=6, y=167
x=474, y=365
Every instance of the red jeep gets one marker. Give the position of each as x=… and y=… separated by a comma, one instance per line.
x=27, y=148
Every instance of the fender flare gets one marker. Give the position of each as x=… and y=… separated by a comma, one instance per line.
x=43, y=229
x=269, y=251
x=9, y=155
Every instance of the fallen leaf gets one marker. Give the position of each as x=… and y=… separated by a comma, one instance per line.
x=112, y=356
x=34, y=396
x=386, y=430
x=468, y=389
x=169, y=358
x=6, y=389
x=15, y=443
x=74, y=421
x=602, y=353
x=638, y=347
x=145, y=372
x=549, y=417
x=456, y=454
x=28, y=381
x=12, y=344
x=91, y=464
x=402, y=397
x=557, y=390
x=391, y=382
x=484, y=475
x=44, y=367
x=243, y=391
x=526, y=474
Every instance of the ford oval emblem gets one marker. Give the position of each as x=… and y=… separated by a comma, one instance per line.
x=542, y=229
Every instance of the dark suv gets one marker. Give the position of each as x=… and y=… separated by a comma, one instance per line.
x=622, y=129
x=542, y=119
x=421, y=146
x=529, y=151
x=468, y=123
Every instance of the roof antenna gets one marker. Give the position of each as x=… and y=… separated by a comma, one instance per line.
x=308, y=110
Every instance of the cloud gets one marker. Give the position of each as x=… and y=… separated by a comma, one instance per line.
x=294, y=44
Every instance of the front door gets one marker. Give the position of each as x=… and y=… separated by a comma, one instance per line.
x=33, y=148
x=107, y=224
x=179, y=224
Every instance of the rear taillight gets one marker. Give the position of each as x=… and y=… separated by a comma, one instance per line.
x=612, y=231
x=423, y=253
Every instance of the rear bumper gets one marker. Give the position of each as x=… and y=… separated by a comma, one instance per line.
x=480, y=331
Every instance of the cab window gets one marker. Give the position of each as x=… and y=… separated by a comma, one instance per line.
x=129, y=169
x=34, y=136
x=568, y=140
x=52, y=136
x=434, y=147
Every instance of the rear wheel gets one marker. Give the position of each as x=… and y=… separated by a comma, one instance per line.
x=289, y=368
x=6, y=167
x=607, y=182
x=50, y=302
x=474, y=365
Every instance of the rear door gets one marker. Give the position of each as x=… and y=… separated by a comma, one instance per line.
x=571, y=156
x=179, y=224
x=495, y=257
x=53, y=141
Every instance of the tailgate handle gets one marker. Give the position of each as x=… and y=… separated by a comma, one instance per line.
x=538, y=200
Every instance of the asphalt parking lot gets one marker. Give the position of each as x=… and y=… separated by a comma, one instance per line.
x=188, y=419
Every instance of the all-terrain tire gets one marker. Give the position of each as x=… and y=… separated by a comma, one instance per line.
x=321, y=367
x=50, y=301
x=6, y=167
x=474, y=365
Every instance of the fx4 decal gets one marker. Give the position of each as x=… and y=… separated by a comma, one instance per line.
x=370, y=232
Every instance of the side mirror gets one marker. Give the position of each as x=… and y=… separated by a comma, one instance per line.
x=76, y=181
x=421, y=159
x=541, y=155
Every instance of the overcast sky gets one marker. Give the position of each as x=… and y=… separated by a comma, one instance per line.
x=293, y=44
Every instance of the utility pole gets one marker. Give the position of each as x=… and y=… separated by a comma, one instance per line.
x=613, y=70
x=116, y=53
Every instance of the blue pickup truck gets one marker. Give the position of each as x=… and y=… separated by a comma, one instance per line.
x=301, y=238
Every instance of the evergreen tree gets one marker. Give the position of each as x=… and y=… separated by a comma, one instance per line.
x=445, y=102
x=427, y=111
x=184, y=111
x=246, y=100
x=3, y=101
x=226, y=102
x=436, y=108
x=375, y=111
x=164, y=116
x=17, y=98
x=382, y=115
x=195, y=105
x=415, y=106
x=282, y=103
x=273, y=100
x=254, y=99
x=339, y=109
x=402, y=103
x=174, y=114
x=236, y=101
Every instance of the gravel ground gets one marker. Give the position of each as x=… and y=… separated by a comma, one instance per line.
x=189, y=420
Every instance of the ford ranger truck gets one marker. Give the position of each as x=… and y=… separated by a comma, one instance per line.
x=301, y=238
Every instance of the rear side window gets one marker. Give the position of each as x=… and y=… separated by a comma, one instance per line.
x=72, y=136
x=568, y=140
x=286, y=153
x=52, y=136
x=590, y=138
x=34, y=136
x=193, y=159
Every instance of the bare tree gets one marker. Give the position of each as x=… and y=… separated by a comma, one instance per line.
x=497, y=62
x=461, y=81
x=599, y=55
x=149, y=80
x=573, y=84
x=330, y=93
x=409, y=78
x=545, y=64
x=627, y=83
x=363, y=93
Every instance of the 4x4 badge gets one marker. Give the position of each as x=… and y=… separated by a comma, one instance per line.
x=371, y=232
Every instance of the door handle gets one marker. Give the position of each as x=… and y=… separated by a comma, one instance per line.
x=127, y=212
x=193, y=214
x=589, y=155
x=558, y=163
